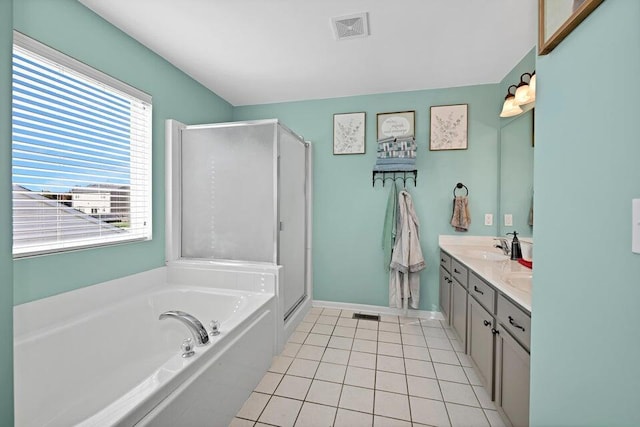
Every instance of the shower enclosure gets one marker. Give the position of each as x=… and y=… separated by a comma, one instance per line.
x=238, y=194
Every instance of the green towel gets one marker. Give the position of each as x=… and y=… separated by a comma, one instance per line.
x=389, y=229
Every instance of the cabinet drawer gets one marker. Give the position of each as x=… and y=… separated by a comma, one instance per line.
x=445, y=261
x=459, y=272
x=516, y=321
x=481, y=291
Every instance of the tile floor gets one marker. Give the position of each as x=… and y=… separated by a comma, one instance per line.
x=339, y=371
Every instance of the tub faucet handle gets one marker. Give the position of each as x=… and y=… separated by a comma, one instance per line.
x=215, y=327
x=187, y=348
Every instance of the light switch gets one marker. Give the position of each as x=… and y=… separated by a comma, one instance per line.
x=488, y=219
x=635, y=226
x=508, y=220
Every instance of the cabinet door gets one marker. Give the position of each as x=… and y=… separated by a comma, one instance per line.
x=459, y=311
x=445, y=294
x=512, y=378
x=481, y=342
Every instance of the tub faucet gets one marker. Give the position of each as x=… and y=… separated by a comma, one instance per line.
x=504, y=245
x=200, y=335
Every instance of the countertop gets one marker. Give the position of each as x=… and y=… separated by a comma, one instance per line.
x=493, y=272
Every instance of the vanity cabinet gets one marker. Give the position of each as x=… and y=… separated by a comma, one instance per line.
x=459, y=272
x=516, y=321
x=513, y=341
x=495, y=332
x=445, y=261
x=459, y=311
x=512, y=378
x=483, y=292
x=480, y=335
x=445, y=294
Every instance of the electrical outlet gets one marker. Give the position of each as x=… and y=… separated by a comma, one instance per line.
x=488, y=219
x=508, y=220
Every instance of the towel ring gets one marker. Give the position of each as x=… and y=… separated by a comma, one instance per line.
x=460, y=185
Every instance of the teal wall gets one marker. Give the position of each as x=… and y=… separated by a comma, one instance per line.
x=68, y=26
x=348, y=212
x=6, y=267
x=516, y=157
x=586, y=291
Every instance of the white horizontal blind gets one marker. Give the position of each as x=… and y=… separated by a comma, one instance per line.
x=81, y=155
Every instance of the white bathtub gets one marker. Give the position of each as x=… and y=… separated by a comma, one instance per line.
x=99, y=356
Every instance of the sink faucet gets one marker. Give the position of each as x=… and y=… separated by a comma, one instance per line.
x=504, y=245
x=200, y=335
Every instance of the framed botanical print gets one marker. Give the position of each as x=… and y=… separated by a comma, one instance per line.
x=448, y=128
x=349, y=133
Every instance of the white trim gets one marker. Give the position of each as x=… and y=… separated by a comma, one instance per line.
x=363, y=308
x=60, y=58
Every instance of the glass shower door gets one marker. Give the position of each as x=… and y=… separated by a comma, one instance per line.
x=292, y=197
x=228, y=192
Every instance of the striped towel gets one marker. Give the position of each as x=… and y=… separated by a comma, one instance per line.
x=410, y=154
x=398, y=145
x=394, y=167
x=396, y=161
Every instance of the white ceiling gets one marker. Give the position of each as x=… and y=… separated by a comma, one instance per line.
x=263, y=51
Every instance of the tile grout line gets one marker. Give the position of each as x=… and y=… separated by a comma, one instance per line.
x=376, y=368
x=406, y=375
x=471, y=385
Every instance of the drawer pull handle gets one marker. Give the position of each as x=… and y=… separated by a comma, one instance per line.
x=514, y=324
x=455, y=270
x=442, y=260
x=494, y=331
x=487, y=323
x=475, y=288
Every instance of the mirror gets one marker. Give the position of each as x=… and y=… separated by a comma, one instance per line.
x=516, y=174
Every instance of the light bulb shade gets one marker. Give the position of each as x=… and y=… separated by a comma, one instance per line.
x=532, y=85
x=509, y=108
x=523, y=94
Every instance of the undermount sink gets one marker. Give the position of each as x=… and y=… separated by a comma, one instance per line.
x=486, y=255
x=519, y=280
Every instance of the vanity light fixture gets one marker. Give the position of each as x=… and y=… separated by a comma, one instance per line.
x=526, y=91
x=509, y=108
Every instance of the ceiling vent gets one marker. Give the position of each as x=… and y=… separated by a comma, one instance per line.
x=351, y=27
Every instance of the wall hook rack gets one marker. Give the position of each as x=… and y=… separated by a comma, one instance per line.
x=458, y=186
x=393, y=175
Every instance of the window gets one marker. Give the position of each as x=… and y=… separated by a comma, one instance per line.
x=81, y=154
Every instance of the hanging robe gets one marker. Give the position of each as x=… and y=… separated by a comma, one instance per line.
x=406, y=260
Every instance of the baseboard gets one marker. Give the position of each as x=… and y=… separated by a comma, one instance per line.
x=375, y=309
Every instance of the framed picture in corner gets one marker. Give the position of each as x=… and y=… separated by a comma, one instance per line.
x=558, y=18
x=349, y=133
x=448, y=128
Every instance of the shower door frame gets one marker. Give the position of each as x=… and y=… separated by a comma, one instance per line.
x=307, y=222
x=173, y=201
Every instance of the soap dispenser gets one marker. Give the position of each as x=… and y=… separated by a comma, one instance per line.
x=516, y=251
